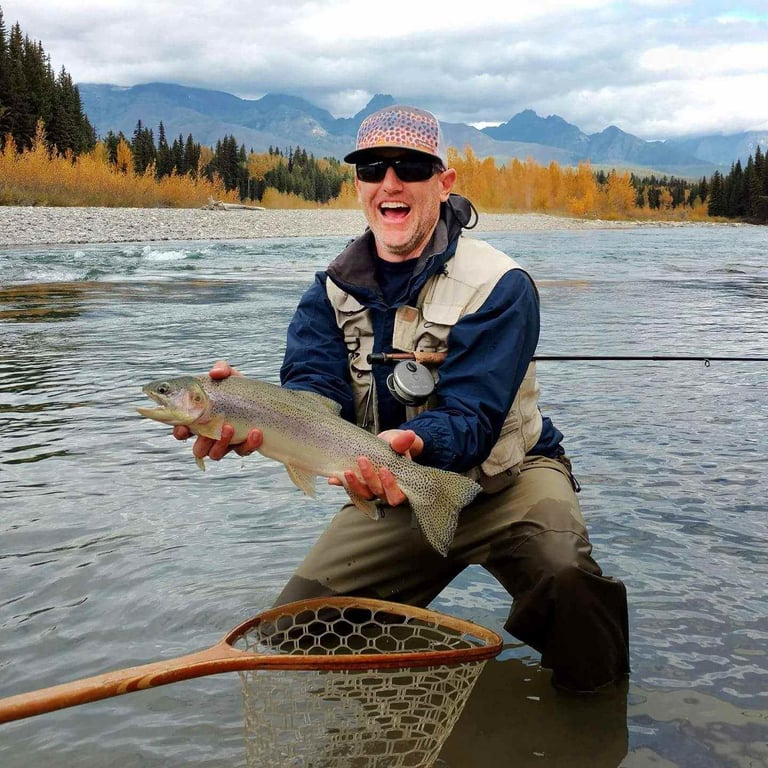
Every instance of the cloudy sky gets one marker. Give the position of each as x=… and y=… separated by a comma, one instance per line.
x=655, y=68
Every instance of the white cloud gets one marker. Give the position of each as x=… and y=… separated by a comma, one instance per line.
x=656, y=68
x=710, y=60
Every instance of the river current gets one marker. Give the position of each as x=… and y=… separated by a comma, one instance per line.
x=115, y=549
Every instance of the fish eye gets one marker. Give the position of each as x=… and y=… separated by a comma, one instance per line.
x=164, y=388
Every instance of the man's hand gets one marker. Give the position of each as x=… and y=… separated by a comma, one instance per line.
x=217, y=449
x=382, y=484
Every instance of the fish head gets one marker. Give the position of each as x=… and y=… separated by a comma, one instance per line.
x=182, y=400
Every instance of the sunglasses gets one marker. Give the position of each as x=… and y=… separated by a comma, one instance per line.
x=407, y=170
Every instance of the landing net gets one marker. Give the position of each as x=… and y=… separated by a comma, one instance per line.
x=404, y=675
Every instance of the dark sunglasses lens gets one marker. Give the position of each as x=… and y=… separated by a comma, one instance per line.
x=406, y=170
x=372, y=172
x=414, y=170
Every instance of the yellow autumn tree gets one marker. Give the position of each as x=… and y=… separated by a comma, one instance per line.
x=581, y=193
x=39, y=176
x=618, y=196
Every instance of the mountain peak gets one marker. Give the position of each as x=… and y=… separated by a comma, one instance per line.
x=379, y=101
x=281, y=120
x=529, y=127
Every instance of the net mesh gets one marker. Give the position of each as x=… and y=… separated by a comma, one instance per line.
x=355, y=718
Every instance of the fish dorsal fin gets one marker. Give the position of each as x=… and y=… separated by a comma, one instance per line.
x=320, y=401
x=303, y=480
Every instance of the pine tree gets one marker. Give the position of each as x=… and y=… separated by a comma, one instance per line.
x=717, y=202
x=29, y=92
x=143, y=148
x=164, y=156
x=191, y=155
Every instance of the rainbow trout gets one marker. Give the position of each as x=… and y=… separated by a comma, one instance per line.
x=304, y=431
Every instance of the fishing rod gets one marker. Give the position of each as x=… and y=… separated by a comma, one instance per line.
x=411, y=383
x=435, y=358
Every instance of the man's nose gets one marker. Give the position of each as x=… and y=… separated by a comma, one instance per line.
x=391, y=179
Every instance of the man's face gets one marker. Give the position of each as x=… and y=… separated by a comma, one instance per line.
x=402, y=215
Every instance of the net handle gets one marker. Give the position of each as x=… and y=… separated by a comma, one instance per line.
x=223, y=657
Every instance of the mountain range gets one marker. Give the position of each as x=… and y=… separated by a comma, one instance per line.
x=284, y=122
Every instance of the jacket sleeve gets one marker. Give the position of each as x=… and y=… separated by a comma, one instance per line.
x=315, y=353
x=488, y=354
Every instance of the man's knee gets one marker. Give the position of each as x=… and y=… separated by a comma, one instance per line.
x=299, y=588
x=555, y=555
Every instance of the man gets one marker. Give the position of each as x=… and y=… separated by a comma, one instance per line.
x=413, y=282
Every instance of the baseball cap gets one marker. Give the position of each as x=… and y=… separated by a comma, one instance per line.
x=400, y=127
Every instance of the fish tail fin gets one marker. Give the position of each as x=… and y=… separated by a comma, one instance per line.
x=437, y=503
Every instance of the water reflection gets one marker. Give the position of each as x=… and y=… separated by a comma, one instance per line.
x=61, y=301
x=516, y=718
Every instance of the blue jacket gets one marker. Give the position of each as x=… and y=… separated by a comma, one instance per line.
x=475, y=389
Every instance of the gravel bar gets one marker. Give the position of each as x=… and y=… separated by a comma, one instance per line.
x=39, y=225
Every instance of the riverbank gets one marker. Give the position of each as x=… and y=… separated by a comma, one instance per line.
x=32, y=225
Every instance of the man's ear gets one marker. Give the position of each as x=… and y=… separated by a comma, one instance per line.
x=447, y=180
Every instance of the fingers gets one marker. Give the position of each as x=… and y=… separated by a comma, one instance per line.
x=374, y=483
x=405, y=441
x=380, y=483
x=392, y=492
x=221, y=369
x=252, y=443
x=207, y=447
x=180, y=432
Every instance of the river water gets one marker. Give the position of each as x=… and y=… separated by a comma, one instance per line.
x=116, y=550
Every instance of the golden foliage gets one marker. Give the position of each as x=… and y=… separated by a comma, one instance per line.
x=38, y=176
x=347, y=197
x=529, y=187
x=274, y=199
x=259, y=164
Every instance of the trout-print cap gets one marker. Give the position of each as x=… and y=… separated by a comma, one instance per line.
x=400, y=127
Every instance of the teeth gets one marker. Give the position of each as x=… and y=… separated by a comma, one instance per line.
x=394, y=205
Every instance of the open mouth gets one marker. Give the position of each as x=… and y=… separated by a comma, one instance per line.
x=394, y=211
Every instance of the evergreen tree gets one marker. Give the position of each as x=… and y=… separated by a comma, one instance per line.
x=177, y=155
x=5, y=85
x=143, y=148
x=164, y=156
x=191, y=155
x=29, y=92
x=717, y=201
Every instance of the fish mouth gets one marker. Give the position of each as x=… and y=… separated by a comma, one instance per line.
x=161, y=413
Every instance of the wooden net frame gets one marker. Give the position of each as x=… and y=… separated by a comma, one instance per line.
x=342, y=682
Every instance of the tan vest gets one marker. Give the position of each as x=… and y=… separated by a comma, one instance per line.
x=472, y=274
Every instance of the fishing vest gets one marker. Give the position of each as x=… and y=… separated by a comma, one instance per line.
x=446, y=297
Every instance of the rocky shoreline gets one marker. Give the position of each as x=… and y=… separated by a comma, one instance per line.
x=38, y=225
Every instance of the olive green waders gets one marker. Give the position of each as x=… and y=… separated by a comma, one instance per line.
x=530, y=536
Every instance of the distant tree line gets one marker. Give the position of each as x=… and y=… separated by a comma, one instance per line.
x=293, y=171
x=30, y=91
x=743, y=192
x=181, y=157
x=740, y=194
x=299, y=173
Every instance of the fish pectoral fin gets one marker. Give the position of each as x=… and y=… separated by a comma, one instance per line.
x=200, y=463
x=303, y=480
